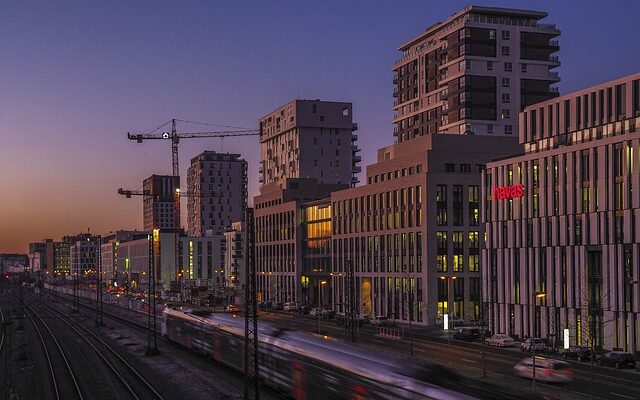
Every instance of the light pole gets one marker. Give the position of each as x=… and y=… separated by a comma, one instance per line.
x=410, y=310
x=536, y=295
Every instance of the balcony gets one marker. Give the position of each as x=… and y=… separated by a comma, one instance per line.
x=357, y=158
x=354, y=148
x=354, y=137
x=554, y=76
x=356, y=169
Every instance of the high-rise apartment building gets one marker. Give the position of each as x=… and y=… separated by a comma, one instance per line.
x=217, y=185
x=83, y=255
x=158, y=208
x=474, y=72
x=309, y=139
x=562, y=222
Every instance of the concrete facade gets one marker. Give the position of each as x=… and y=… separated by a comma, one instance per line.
x=569, y=228
x=234, y=258
x=217, y=185
x=309, y=139
x=413, y=232
x=474, y=72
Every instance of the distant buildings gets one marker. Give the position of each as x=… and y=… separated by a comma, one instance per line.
x=563, y=219
x=83, y=255
x=158, y=208
x=217, y=185
x=13, y=262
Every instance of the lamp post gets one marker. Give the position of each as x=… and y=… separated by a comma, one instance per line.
x=536, y=295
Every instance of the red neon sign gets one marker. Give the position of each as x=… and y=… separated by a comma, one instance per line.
x=508, y=192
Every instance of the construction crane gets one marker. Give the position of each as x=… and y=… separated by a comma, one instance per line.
x=174, y=136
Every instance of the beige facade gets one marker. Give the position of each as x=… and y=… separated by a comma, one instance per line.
x=309, y=139
x=570, y=231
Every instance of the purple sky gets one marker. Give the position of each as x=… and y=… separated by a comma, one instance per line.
x=75, y=76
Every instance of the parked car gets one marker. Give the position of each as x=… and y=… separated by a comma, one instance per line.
x=304, y=310
x=278, y=306
x=232, y=308
x=500, y=340
x=329, y=314
x=547, y=370
x=290, y=306
x=379, y=320
x=616, y=359
x=540, y=345
x=316, y=312
x=578, y=352
x=467, y=334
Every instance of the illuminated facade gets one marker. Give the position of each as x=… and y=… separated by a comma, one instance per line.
x=316, y=252
x=573, y=231
x=413, y=231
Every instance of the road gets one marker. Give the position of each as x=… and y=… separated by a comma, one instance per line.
x=466, y=358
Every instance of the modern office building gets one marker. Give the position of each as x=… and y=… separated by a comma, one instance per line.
x=474, y=72
x=413, y=231
x=10, y=261
x=309, y=139
x=279, y=213
x=83, y=256
x=562, y=221
x=158, y=208
x=111, y=265
x=217, y=186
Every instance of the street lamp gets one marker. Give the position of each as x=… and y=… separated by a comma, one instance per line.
x=536, y=295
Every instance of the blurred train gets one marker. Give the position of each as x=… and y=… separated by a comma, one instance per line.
x=306, y=366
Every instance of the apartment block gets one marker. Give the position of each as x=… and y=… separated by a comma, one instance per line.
x=310, y=139
x=217, y=185
x=562, y=221
x=158, y=208
x=234, y=258
x=474, y=72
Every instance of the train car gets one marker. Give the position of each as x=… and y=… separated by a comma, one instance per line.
x=308, y=366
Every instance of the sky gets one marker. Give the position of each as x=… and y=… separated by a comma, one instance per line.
x=76, y=76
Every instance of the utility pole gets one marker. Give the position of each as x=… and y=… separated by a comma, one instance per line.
x=351, y=306
x=152, y=344
x=251, y=366
x=99, y=319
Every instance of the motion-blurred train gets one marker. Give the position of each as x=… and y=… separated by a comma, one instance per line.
x=306, y=366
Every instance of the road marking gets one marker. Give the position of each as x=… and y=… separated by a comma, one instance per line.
x=420, y=350
x=471, y=361
x=621, y=395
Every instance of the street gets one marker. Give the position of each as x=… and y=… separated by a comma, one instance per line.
x=466, y=359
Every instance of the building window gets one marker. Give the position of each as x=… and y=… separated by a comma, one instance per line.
x=465, y=167
x=506, y=97
x=506, y=50
x=474, y=263
x=506, y=82
x=441, y=205
x=506, y=35
x=474, y=213
x=506, y=113
x=523, y=67
x=489, y=65
x=508, y=67
x=448, y=167
x=457, y=205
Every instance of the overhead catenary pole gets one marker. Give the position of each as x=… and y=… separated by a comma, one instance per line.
x=99, y=301
x=351, y=306
x=251, y=366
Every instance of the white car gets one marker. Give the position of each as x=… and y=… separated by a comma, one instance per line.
x=500, y=340
x=316, y=312
x=291, y=306
x=547, y=370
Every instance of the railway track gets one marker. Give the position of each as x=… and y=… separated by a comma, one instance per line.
x=132, y=381
x=63, y=379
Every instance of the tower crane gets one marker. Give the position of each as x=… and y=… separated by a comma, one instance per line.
x=174, y=136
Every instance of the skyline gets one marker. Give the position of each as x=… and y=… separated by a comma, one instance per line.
x=65, y=152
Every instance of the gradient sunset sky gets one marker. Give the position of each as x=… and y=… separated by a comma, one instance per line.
x=75, y=76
